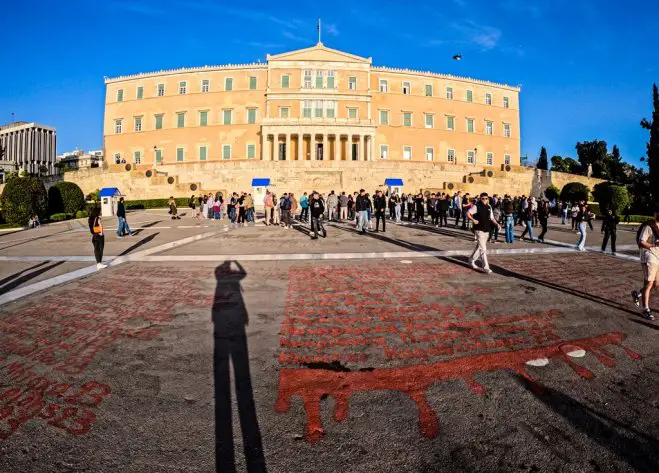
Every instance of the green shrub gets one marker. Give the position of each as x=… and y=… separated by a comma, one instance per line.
x=595, y=209
x=552, y=192
x=65, y=197
x=60, y=217
x=574, y=192
x=23, y=197
x=155, y=204
x=82, y=214
x=612, y=197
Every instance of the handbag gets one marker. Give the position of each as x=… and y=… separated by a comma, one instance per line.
x=97, y=229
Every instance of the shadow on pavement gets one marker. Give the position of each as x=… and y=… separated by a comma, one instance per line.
x=148, y=225
x=15, y=275
x=142, y=242
x=14, y=281
x=230, y=318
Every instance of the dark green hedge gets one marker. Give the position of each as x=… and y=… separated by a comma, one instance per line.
x=23, y=197
x=82, y=214
x=155, y=204
x=60, y=217
x=65, y=197
x=574, y=192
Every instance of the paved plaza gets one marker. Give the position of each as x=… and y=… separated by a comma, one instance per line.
x=205, y=347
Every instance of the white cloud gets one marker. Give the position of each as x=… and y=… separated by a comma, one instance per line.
x=294, y=24
x=331, y=29
x=486, y=37
x=534, y=8
x=293, y=37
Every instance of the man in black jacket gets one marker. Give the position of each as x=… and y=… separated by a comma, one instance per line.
x=380, y=204
x=362, y=205
x=443, y=206
x=122, y=227
x=317, y=209
x=609, y=228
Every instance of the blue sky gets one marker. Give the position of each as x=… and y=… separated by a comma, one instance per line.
x=586, y=67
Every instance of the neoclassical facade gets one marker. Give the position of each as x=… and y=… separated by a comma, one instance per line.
x=311, y=104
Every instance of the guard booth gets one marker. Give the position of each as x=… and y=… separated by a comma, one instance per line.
x=394, y=185
x=259, y=188
x=109, y=200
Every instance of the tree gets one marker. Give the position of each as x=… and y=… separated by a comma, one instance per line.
x=574, y=192
x=22, y=198
x=611, y=196
x=542, y=160
x=552, y=192
x=614, y=166
x=65, y=197
x=653, y=144
x=593, y=153
x=568, y=165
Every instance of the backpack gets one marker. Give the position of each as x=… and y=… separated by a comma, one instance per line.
x=286, y=204
x=654, y=228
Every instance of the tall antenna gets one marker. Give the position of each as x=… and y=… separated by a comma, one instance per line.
x=319, y=30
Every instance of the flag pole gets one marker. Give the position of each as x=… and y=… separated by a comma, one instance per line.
x=318, y=27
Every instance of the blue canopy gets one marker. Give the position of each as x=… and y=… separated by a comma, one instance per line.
x=260, y=182
x=393, y=181
x=109, y=192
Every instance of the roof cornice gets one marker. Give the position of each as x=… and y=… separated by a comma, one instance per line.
x=185, y=70
x=437, y=75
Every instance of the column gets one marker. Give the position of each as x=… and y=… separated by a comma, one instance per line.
x=300, y=141
x=348, y=151
x=288, y=154
x=264, y=142
x=361, y=155
x=369, y=148
x=326, y=154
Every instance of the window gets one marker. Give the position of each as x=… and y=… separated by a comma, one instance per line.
x=450, y=155
x=330, y=79
x=252, y=83
x=384, y=151
x=470, y=96
x=226, y=152
x=138, y=124
x=383, y=85
x=429, y=154
x=307, y=79
x=117, y=127
x=428, y=90
x=384, y=117
x=449, y=93
x=470, y=125
x=489, y=128
x=205, y=85
x=203, y=118
x=158, y=156
x=285, y=81
x=140, y=92
x=180, y=155
x=306, y=109
x=352, y=83
x=318, y=113
x=158, y=122
x=251, y=116
x=471, y=157
x=120, y=95
x=319, y=79
x=329, y=106
x=488, y=99
x=489, y=157
x=180, y=119
x=406, y=88
x=407, y=119
x=283, y=112
x=506, y=159
x=227, y=116
x=506, y=130
x=203, y=151
x=228, y=83
x=251, y=151
x=430, y=120
x=450, y=123
x=407, y=152
x=352, y=112
x=506, y=102
x=137, y=157
x=161, y=90
x=182, y=87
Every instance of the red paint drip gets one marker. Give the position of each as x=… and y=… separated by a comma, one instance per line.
x=312, y=384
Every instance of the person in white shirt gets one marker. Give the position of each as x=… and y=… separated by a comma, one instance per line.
x=648, y=243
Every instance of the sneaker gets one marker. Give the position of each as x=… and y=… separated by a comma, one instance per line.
x=636, y=297
x=647, y=314
x=314, y=238
x=473, y=264
x=324, y=233
x=101, y=266
x=487, y=270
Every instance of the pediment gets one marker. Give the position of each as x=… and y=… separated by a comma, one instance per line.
x=319, y=53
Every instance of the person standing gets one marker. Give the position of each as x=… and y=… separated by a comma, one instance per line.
x=609, y=228
x=457, y=207
x=465, y=206
x=276, y=210
x=351, y=207
x=494, y=229
x=432, y=210
x=268, y=206
x=293, y=207
x=317, y=209
x=648, y=243
x=581, y=225
x=98, y=238
x=332, y=204
x=380, y=205
x=419, y=204
x=304, y=205
x=343, y=207
x=574, y=211
x=122, y=226
x=543, y=217
x=410, y=207
x=482, y=219
x=443, y=206
x=173, y=210
x=192, y=203
x=527, y=216
x=396, y=201
x=508, y=209
x=249, y=208
x=564, y=209
x=285, y=207
x=362, y=206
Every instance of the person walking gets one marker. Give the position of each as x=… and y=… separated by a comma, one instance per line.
x=494, y=229
x=574, y=211
x=581, y=225
x=508, y=210
x=527, y=216
x=609, y=228
x=122, y=225
x=98, y=238
x=317, y=209
x=543, y=218
x=380, y=205
x=286, y=205
x=173, y=210
x=648, y=243
x=482, y=219
x=419, y=204
x=564, y=210
x=343, y=207
x=362, y=206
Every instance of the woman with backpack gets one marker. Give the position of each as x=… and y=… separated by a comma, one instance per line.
x=98, y=238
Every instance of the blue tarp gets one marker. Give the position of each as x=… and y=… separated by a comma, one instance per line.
x=109, y=192
x=393, y=181
x=260, y=182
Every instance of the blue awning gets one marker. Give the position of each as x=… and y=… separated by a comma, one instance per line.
x=393, y=181
x=109, y=192
x=260, y=182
